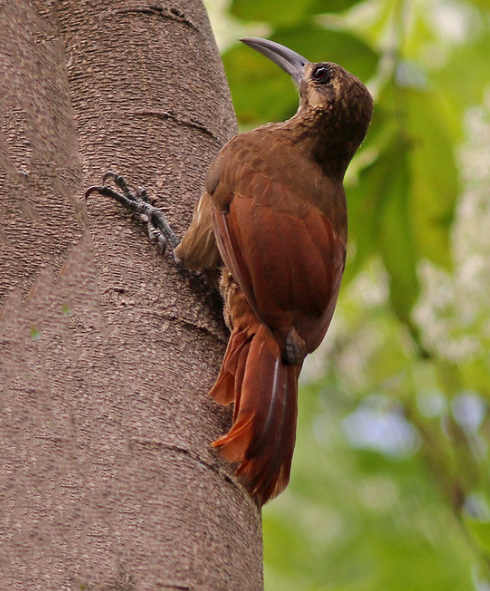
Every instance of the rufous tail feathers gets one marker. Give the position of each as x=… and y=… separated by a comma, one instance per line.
x=265, y=391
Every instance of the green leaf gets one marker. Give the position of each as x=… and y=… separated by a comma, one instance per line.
x=282, y=12
x=394, y=233
x=480, y=3
x=286, y=12
x=434, y=175
x=380, y=219
x=323, y=6
x=463, y=78
x=481, y=533
x=365, y=194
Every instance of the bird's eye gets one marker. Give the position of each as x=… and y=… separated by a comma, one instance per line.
x=321, y=74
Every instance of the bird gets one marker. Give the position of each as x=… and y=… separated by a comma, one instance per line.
x=272, y=225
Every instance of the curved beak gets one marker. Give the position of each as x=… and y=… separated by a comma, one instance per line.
x=291, y=62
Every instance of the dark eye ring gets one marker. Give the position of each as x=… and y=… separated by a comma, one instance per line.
x=321, y=74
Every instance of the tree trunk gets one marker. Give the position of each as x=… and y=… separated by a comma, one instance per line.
x=107, y=480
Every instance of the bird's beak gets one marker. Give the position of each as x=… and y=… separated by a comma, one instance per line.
x=287, y=59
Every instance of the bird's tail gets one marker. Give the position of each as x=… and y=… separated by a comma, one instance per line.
x=265, y=391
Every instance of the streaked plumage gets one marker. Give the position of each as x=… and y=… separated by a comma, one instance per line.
x=273, y=217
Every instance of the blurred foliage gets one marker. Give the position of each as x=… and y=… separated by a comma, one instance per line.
x=391, y=476
x=361, y=512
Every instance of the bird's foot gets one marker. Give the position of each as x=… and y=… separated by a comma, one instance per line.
x=159, y=230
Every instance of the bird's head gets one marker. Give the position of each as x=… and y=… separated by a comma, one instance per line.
x=333, y=99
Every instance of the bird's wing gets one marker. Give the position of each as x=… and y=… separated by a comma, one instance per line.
x=284, y=252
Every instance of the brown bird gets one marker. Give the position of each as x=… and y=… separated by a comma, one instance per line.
x=273, y=219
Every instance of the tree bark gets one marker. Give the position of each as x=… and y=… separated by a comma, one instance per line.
x=107, y=480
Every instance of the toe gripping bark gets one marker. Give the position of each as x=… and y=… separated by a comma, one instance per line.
x=158, y=228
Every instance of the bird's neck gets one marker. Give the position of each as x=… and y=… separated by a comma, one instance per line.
x=332, y=141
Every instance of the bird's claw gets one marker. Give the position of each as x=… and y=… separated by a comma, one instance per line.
x=158, y=228
x=111, y=175
x=120, y=182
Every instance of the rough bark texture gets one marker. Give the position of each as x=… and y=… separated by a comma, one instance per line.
x=107, y=481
